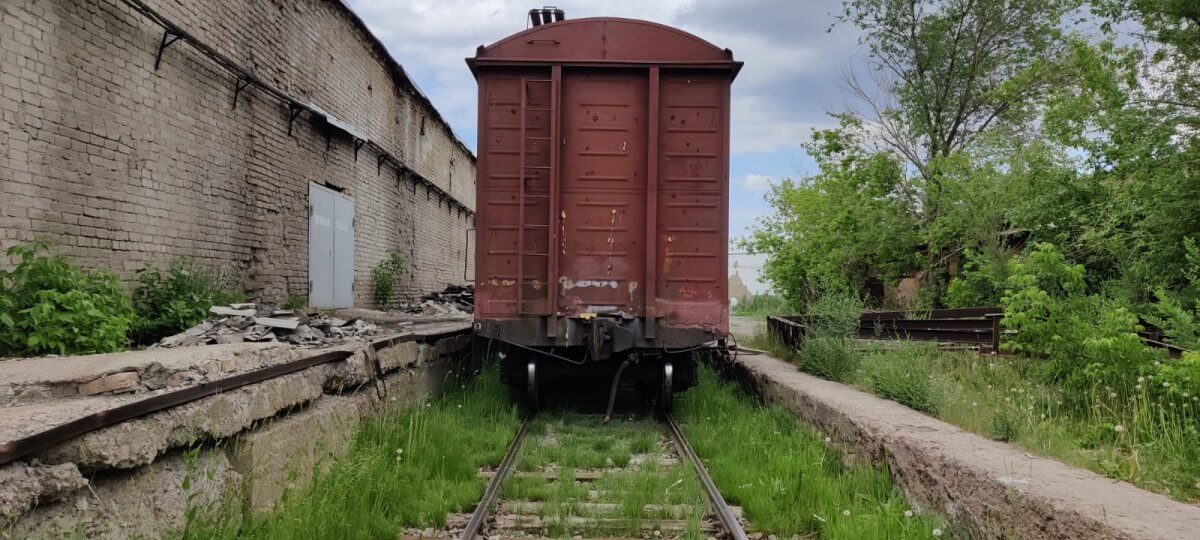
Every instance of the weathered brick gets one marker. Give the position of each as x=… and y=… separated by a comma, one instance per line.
x=142, y=166
x=113, y=382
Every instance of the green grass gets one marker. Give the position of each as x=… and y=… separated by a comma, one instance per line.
x=761, y=305
x=567, y=442
x=787, y=479
x=1129, y=434
x=405, y=469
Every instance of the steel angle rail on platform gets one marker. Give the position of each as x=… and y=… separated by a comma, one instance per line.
x=42, y=440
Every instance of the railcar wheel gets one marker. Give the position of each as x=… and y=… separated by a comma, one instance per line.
x=666, y=396
x=531, y=384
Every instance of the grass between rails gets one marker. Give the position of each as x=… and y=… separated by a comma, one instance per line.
x=404, y=469
x=411, y=468
x=784, y=475
x=634, y=494
x=1124, y=433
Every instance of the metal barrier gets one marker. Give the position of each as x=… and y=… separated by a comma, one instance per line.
x=973, y=327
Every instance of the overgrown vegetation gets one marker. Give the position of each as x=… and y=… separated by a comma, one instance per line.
x=385, y=275
x=997, y=126
x=759, y=305
x=1144, y=429
x=171, y=302
x=784, y=475
x=404, y=469
x=50, y=305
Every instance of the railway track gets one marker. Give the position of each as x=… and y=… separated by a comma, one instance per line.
x=574, y=476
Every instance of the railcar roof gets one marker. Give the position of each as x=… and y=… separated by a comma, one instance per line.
x=604, y=41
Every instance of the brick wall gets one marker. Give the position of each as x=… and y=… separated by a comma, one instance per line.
x=118, y=164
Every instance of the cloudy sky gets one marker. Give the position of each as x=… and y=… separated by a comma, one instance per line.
x=789, y=82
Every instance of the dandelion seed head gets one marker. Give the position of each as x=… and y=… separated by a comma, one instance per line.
x=1141, y=379
x=827, y=439
x=908, y=513
x=846, y=513
x=937, y=532
x=1119, y=428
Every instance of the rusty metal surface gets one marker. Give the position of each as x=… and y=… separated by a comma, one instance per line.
x=603, y=175
x=976, y=326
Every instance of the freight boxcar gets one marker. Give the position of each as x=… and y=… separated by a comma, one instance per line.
x=602, y=201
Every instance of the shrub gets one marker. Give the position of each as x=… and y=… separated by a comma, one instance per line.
x=906, y=375
x=294, y=301
x=50, y=305
x=385, y=275
x=170, y=303
x=829, y=358
x=1006, y=424
x=1087, y=339
x=981, y=282
x=761, y=304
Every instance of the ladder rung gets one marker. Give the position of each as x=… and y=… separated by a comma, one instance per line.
x=537, y=138
x=536, y=254
x=527, y=226
x=538, y=80
x=536, y=109
x=537, y=166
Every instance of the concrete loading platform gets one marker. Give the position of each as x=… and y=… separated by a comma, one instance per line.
x=253, y=441
x=989, y=488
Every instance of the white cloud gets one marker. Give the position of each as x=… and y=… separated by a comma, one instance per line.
x=757, y=182
x=778, y=98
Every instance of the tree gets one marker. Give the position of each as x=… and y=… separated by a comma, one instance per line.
x=949, y=71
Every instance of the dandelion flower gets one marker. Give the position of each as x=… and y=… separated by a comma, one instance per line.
x=908, y=513
x=937, y=532
x=846, y=513
x=1119, y=428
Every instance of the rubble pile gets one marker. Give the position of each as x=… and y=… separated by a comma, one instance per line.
x=453, y=301
x=237, y=323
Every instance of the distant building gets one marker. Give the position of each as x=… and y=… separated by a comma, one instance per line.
x=737, y=289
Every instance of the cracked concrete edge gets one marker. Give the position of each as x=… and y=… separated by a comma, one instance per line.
x=991, y=489
x=28, y=484
x=139, y=443
x=149, y=502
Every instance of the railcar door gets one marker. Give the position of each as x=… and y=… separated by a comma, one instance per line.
x=602, y=191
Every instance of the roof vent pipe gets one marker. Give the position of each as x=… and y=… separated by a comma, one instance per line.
x=546, y=15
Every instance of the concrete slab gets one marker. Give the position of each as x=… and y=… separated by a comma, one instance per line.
x=993, y=489
x=149, y=502
x=27, y=380
x=23, y=486
x=270, y=460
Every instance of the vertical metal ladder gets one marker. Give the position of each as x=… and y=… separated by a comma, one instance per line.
x=543, y=163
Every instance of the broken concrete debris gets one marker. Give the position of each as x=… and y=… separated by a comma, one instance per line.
x=260, y=323
x=453, y=301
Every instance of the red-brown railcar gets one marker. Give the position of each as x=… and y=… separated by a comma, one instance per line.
x=602, y=200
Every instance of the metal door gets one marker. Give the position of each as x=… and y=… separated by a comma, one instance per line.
x=603, y=191
x=330, y=248
x=343, y=252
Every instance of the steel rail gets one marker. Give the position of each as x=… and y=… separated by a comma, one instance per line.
x=724, y=513
x=43, y=440
x=493, y=488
